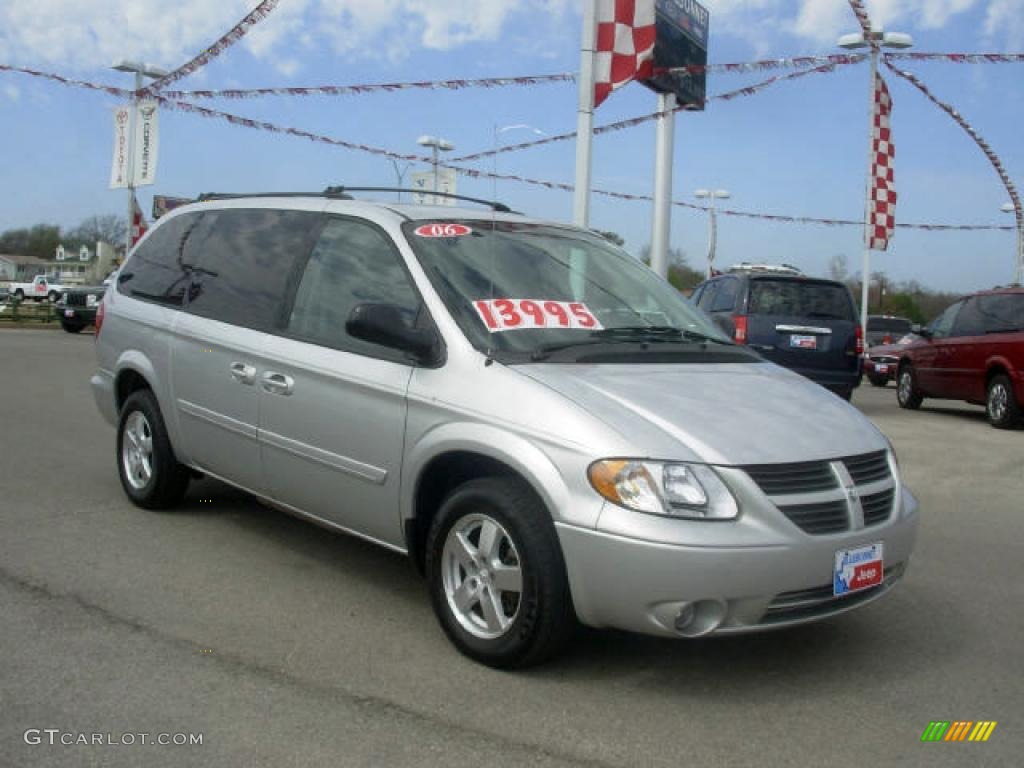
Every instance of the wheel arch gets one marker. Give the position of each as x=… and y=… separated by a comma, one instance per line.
x=134, y=372
x=456, y=453
x=996, y=366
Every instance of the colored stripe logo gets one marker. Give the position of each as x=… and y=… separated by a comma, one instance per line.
x=958, y=730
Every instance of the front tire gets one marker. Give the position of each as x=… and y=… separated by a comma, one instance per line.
x=496, y=574
x=1003, y=410
x=907, y=393
x=72, y=327
x=150, y=474
x=878, y=381
x=53, y=297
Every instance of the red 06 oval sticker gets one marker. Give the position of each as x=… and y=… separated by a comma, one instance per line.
x=442, y=229
x=522, y=314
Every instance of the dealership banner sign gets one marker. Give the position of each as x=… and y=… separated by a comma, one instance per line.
x=135, y=166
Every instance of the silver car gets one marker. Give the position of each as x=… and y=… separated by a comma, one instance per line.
x=549, y=430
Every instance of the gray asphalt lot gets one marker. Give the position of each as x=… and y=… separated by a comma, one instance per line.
x=286, y=645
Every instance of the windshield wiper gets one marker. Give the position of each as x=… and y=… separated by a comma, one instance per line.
x=640, y=334
x=657, y=333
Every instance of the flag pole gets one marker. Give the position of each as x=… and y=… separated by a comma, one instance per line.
x=585, y=116
x=866, y=266
x=663, y=154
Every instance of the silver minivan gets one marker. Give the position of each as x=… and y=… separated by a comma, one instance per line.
x=544, y=426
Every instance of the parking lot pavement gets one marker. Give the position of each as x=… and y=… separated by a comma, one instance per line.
x=286, y=645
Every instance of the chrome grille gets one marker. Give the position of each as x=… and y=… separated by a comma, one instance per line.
x=826, y=517
x=784, y=479
x=812, y=493
x=877, y=507
x=868, y=468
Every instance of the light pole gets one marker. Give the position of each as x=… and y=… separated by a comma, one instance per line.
x=711, y=195
x=1018, y=267
x=400, y=175
x=879, y=39
x=497, y=145
x=436, y=145
x=140, y=70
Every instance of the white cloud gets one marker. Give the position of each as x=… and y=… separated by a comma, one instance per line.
x=11, y=92
x=1005, y=19
x=77, y=35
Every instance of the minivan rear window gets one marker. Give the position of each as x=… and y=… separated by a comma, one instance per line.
x=893, y=325
x=800, y=298
x=1002, y=312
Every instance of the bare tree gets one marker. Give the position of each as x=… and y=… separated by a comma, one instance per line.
x=109, y=227
x=838, y=268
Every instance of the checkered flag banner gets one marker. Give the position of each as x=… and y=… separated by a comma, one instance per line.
x=625, y=44
x=881, y=214
x=139, y=225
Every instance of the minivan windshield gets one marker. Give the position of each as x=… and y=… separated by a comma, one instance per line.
x=522, y=290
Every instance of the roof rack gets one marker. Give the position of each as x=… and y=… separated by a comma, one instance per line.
x=784, y=269
x=330, y=192
x=494, y=205
x=342, y=193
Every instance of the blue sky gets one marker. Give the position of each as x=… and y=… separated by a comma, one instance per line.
x=797, y=148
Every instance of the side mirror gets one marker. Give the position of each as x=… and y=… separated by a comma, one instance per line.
x=383, y=324
x=921, y=331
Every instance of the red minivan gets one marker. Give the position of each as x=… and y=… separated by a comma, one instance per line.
x=973, y=351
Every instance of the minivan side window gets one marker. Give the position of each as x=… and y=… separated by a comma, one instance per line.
x=1002, y=312
x=156, y=271
x=352, y=263
x=244, y=257
x=707, y=297
x=969, y=322
x=942, y=324
x=725, y=298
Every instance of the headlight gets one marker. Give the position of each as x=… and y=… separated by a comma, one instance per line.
x=64, y=297
x=678, y=490
x=90, y=300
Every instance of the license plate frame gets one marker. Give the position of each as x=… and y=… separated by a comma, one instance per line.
x=855, y=569
x=803, y=341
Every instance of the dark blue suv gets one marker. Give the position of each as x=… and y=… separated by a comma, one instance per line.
x=805, y=324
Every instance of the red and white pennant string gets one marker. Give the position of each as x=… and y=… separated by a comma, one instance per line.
x=997, y=164
x=236, y=33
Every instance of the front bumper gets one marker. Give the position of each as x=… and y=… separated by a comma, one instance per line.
x=643, y=586
x=85, y=315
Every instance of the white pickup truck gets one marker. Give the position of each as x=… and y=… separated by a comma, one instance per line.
x=39, y=289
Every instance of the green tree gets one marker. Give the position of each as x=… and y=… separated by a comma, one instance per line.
x=680, y=274
x=40, y=241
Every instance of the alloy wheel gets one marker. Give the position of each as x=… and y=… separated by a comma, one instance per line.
x=482, y=576
x=137, y=450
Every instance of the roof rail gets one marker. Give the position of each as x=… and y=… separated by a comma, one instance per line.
x=494, y=205
x=784, y=269
x=330, y=192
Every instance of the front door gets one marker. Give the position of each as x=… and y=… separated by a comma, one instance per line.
x=332, y=421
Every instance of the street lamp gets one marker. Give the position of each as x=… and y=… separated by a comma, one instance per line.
x=140, y=70
x=436, y=145
x=878, y=39
x=711, y=195
x=1018, y=267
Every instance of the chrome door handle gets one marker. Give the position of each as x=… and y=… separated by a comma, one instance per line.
x=277, y=383
x=242, y=373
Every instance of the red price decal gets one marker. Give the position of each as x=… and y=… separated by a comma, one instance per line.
x=514, y=314
x=442, y=229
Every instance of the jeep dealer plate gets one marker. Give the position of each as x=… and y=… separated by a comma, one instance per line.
x=803, y=342
x=857, y=569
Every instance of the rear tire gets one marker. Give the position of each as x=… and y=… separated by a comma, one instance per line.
x=19, y=295
x=907, y=393
x=150, y=474
x=490, y=538
x=1003, y=410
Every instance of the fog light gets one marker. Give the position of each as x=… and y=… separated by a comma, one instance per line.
x=685, y=617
